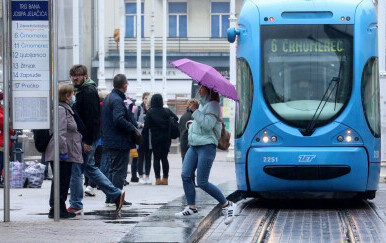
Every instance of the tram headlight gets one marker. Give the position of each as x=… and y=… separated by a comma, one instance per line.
x=265, y=139
x=340, y=138
x=273, y=138
x=348, y=139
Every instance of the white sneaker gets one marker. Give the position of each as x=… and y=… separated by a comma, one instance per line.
x=89, y=191
x=142, y=181
x=187, y=213
x=228, y=212
x=148, y=181
x=110, y=204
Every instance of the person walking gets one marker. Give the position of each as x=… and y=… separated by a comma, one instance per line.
x=87, y=106
x=158, y=122
x=144, y=151
x=118, y=131
x=70, y=150
x=201, y=154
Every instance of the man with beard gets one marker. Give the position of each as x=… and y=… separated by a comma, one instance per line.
x=88, y=107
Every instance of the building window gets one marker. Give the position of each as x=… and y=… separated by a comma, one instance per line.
x=131, y=20
x=177, y=20
x=219, y=19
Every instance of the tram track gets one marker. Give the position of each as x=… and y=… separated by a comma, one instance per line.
x=266, y=224
x=293, y=221
x=348, y=226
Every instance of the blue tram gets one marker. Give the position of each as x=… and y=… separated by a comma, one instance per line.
x=308, y=120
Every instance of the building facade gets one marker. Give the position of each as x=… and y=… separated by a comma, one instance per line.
x=195, y=29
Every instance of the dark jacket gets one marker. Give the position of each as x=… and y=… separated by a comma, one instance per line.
x=88, y=108
x=117, y=128
x=184, y=144
x=157, y=120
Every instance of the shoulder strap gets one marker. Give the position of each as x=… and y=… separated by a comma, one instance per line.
x=218, y=119
x=138, y=112
x=65, y=109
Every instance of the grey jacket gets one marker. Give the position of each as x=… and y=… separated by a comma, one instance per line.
x=70, y=141
x=141, y=118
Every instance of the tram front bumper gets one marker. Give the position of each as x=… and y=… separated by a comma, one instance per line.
x=327, y=169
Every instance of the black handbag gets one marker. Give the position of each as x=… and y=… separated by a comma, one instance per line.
x=137, y=137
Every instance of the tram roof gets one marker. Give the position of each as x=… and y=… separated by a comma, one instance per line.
x=295, y=11
x=307, y=5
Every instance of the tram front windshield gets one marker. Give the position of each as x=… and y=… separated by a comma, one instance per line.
x=305, y=67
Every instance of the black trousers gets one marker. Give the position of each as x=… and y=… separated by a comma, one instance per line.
x=64, y=183
x=134, y=168
x=144, y=155
x=161, y=157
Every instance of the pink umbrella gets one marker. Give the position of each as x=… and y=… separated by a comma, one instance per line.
x=207, y=76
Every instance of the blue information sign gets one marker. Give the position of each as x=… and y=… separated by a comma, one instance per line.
x=29, y=10
x=30, y=64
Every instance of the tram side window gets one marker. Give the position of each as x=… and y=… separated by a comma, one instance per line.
x=370, y=95
x=245, y=94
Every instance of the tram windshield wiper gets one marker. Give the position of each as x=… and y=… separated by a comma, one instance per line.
x=331, y=86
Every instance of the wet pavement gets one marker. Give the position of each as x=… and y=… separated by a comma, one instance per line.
x=151, y=218
x=162, y=226
x=153, y=209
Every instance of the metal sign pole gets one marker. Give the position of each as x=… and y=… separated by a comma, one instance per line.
x=6, y=75
x=232, y=78
x=54, y=85
x=27, y=72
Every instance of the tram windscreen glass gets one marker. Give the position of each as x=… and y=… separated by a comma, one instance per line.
x=299, y=64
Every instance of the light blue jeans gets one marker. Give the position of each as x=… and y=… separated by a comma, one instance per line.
x=200, y=158
x=93, y=172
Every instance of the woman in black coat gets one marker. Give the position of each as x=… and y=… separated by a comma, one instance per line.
x=157, y=120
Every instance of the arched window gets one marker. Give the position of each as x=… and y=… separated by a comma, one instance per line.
x=245, y=93
x=370, y=95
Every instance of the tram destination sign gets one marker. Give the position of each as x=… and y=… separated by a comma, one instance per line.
x=30, y=57
x=310, y=46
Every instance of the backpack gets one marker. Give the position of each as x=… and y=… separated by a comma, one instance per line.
x=224, y=140
x=42, y=138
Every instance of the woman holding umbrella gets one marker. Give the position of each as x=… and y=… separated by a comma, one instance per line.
x=202, y=152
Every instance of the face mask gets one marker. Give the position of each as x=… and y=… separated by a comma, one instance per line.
x=72, y=101
x=2, y=103
x=203, y=99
